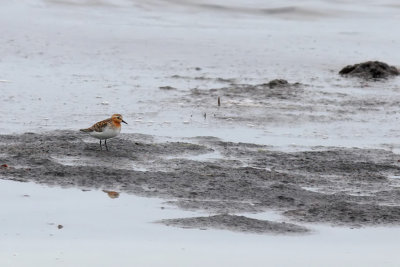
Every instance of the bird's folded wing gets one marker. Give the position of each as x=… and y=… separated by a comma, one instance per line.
x=100, y=126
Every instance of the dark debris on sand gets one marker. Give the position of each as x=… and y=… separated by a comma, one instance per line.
x=370, y=70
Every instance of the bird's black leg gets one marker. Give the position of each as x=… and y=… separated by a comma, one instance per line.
x=100, y=145
x=105, y=142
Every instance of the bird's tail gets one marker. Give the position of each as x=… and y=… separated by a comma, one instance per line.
x=88, y=130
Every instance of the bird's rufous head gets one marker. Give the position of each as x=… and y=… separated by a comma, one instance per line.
x=118, y=118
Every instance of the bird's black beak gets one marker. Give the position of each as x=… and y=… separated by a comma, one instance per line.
x=124, y=122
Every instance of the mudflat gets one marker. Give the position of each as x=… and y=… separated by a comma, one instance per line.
x=340, y=186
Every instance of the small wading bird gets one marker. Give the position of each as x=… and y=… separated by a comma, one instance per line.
x=106, y=129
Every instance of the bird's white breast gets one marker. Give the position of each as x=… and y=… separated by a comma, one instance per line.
x=108, y=132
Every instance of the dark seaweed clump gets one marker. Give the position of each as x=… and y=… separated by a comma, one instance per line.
x=370, y=70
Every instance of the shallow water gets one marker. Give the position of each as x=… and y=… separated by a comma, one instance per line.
x=59, y=77
x=101, y=231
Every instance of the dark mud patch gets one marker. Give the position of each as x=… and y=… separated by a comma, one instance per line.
x=348, y=213
x=278, y=88
x=335, y=185
x=287, y=103
x=252, y=103
x=370, y=70
x=236, y=223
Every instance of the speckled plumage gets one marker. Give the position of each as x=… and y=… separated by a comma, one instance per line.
x=101, y=125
